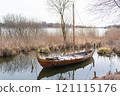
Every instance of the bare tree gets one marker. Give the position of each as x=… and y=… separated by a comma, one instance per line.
x=106, y=8
x=0, y=28
x=60, y=6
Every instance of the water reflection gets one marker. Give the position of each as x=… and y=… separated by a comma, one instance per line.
x=17, y=66
x=26, y=67
x=48, y=72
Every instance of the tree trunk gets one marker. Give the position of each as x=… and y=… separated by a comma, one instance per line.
x=63, y=27
x=0, y=30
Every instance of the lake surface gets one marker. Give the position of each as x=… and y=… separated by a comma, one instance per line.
x=98, y=31
x=26, y=67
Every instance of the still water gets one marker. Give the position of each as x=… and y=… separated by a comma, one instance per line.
x=26, y=67
x=98, y=31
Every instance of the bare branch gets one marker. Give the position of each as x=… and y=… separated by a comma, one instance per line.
x=117, y=3
x=60, y=6
x=105, y=9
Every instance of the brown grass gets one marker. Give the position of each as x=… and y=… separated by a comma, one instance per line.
x=22, y=35
x=35, y=40
x=112, y=39
x=12, y=42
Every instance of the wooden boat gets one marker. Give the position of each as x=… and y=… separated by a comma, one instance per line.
x=51, y=71
x=65, y=60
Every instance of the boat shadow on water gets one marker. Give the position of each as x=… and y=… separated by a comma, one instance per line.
x=51, y=71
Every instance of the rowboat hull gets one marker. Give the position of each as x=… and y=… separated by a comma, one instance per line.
x=50, y=63
x=51, y=71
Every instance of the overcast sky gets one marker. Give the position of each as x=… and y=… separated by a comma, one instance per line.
x=39, y=10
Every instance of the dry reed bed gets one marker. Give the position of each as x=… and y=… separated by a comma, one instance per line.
x=20, y=34
x=14, y=44
x=112, y=40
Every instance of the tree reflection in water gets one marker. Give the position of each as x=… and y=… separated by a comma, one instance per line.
x=26, y=66
x=18, y=64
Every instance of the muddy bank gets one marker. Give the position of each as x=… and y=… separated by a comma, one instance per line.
x=110, y=76
x=6, y=52
x=117, y=51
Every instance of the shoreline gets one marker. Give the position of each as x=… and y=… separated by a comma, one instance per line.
x=110, y=76
x=9, y=52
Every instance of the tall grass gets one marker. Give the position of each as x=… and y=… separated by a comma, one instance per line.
x=111, y=38
x=20, y=34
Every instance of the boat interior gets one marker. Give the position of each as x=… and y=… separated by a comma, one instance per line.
x=70, y=56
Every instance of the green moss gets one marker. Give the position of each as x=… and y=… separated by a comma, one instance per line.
x=45, y=50
x=104, y=51
x=38, y=50
x=76, y=47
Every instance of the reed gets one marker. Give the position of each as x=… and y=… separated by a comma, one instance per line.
x=27, y=42
x=22, y=35
x=112, y=39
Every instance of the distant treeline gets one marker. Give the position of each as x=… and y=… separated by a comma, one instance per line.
x=19, y=21
x=113, y=26
x=30, y=23
x=48, y=25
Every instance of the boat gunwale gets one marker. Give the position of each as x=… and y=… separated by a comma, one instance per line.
x=66, y=55
x=51, y=63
